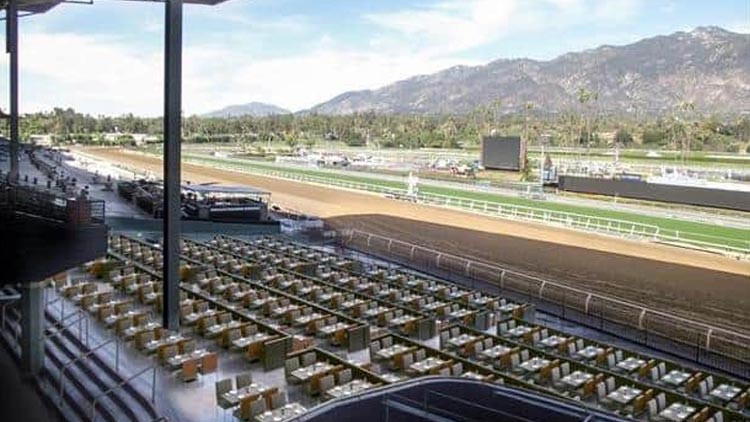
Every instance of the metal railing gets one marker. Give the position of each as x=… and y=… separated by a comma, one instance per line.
x=122, y=384
x=583, y=222
x=80, y=321
x=82, y=358
x=45, y=204
x=712, y=345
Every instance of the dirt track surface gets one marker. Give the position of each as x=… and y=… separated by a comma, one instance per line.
x=695, y=284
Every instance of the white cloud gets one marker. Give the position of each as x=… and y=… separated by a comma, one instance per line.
x=452, y=26
x=296, y=82
x=108, y=75
x=99, y=74
x=741, y=26
x=105, y=76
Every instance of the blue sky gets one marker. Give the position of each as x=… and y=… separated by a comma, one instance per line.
x=106, y=58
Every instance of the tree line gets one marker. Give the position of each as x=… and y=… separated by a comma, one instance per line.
x=684, y=129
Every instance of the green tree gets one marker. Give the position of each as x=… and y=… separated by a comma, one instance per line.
x=623, y=137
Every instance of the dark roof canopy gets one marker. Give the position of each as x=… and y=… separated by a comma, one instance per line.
x=41, y=6
x=33, y=6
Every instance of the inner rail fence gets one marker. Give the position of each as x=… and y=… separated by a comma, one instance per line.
x=708, y=345
x=589, y=223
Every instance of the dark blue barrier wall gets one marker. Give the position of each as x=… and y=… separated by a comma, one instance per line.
x=707, y=197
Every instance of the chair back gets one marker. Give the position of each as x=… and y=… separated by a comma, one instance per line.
x=344, y=376
x=257, y=407
x=223, y=387
x=246, y=408
x=209, y=363
x=326, y=383
x=278, y=399
x=189, y=370
x=243, y=380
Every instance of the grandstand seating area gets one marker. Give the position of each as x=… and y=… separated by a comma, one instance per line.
x=339, y=326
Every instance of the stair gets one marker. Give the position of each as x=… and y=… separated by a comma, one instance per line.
x=126, y=403
x=85, y=380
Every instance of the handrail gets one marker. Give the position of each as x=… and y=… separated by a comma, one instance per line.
x=4, y=313
x=61, y=328
x=122, y=384
x=78, y=359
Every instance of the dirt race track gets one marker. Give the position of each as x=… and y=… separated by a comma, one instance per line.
x=694, y=284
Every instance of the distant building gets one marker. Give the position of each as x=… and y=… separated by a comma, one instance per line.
x=138, y=138
x=44, y=140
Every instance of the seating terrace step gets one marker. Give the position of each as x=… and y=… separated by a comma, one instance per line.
x=130, y=403
x=75, y=397
x=77, y=382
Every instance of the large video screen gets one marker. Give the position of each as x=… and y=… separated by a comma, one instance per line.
x=502, y=153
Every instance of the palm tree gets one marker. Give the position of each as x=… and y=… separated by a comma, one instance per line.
x=685, y=108
x=528, y=108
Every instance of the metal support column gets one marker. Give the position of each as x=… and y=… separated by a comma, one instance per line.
x=172, y=151
x=12, y=49
x=32, y=328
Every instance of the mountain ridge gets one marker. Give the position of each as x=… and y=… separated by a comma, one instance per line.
x=707, y=66
x=254, y=109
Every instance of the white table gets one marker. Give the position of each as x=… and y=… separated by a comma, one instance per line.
x=589, y=352
x=461, y=340
x=534, y=364
x=630, y=364
x=551, y=341
x=677, y=412
x=286, y=412
x=675, y=377
x=725, y=392
x=624, y=394
x=577, y=378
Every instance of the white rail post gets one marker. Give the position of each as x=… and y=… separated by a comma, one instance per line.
x=640, y=319
x=541, y=288
x=586, y=306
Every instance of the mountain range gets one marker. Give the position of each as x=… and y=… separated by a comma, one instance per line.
x=708, y=66
x=254, y=109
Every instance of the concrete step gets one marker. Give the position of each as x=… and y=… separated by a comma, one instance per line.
x=129, y=403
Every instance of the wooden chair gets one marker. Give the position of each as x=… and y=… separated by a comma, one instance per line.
x=186, y=346
x=209, y=363
x=255, y=351
x=165, y=352
x=326, y=383
x=344, y=376
x=257, y=407
x=277, y=400
x=123, y=324
x=104, y=312
x=244, y=412
x=189, y=370
x=142, y=338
